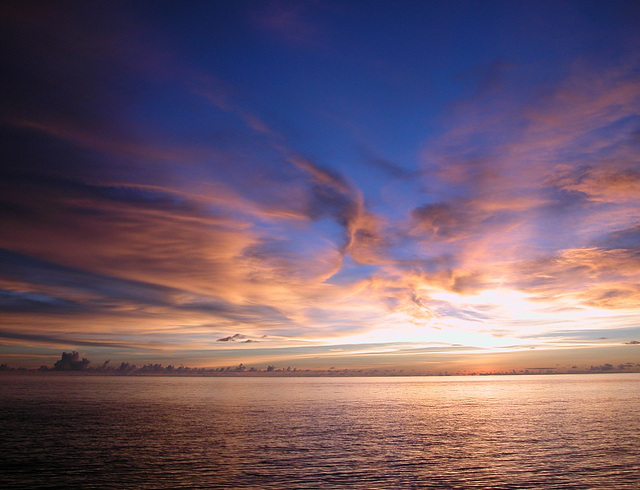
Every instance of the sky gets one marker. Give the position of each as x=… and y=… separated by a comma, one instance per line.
x=434, y=185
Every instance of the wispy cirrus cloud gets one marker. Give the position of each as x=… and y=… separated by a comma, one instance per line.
x=288, y=22
x=509, y=209
x=152, y=194
x=556, y=156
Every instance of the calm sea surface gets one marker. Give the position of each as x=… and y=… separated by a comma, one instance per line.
x=574, y=431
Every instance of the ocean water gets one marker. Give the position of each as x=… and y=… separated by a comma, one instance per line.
x=573, y=431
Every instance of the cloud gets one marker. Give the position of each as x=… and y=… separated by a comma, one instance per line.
x=627, y=238
x=71, y=362
x=25, y=302
x=606, y=183
x=288, y=22
x=487, y=79
x=50, y=339
x=324, y=192
x=233, y=338
x=175, y=208
x=441, y=221
x=389, y=167
x=592, y=276
x=552, y=168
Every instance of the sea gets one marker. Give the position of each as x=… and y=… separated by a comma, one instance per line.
x=509, y=432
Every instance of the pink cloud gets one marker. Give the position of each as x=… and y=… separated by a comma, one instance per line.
x=288, y=22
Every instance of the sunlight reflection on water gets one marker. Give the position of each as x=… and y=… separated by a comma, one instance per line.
x=575, y=431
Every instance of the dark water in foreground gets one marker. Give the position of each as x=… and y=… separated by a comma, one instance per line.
x=575, y=431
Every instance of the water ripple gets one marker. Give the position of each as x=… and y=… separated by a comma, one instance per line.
x=503, y=433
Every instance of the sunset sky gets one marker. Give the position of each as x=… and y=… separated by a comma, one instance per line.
x=446, y=185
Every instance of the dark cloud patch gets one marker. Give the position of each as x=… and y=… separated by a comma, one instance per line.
x=327, y=200
x=321, y=174
x=233, y=338
x=231, y=312
x=331, y=195
x=603, y=367
x=386, y=166
x=391, y=168
x=633, y=342
x=283, y=262
x=52, y=339
x=289, y=22
x=624, y=296
x=86, y=292
x=629, y=238
x=39, y=272
x=442, y=221
x=612, y=295
x=563, y=204
x=24, y=302
x=49, y=180
x=486, y=79
x=603, y=181
x=149, y=198
x=71, y=362
x=470, y=171
x=461, y=219
x=468, y=283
